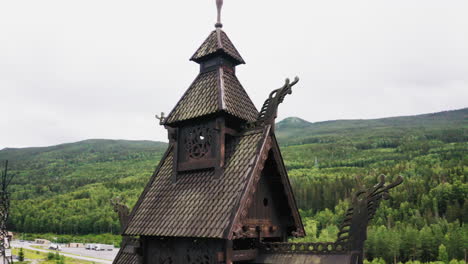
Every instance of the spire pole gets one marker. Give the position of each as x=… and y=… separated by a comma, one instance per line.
x=219, y=5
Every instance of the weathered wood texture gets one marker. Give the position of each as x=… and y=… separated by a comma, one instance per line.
x=305, y=259
x=181, y=250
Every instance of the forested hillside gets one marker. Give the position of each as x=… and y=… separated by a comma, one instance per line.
x=66, y=188
x=428, y=210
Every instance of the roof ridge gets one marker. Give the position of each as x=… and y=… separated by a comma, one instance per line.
x=218, y=38
x=221, y=87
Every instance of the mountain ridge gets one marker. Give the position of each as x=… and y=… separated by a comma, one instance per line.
x=292, y=131
x=463, y=111
x=91, y=140
x=287, y=123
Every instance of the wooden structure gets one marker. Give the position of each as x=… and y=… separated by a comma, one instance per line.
x=221, y=193
x=5, y=236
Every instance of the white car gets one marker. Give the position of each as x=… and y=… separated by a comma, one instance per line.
x=102, y=247
x=55, y=247
x=90, y=246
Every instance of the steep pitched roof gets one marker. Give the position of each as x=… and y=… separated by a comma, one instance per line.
x=198, y=205
x=212, y=92
x=217, y=43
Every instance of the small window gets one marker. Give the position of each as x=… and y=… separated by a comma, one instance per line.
x=265, y=202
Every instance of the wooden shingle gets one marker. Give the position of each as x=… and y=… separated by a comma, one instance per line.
x=203, y=97
x=197, y=205
x=217, y=43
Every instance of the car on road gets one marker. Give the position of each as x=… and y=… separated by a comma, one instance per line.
x=90, y=246
x=102, y=247
x=55, y=247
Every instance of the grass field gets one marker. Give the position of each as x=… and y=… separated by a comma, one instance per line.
x=47, y=258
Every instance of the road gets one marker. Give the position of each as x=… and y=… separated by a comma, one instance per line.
x=98, y=257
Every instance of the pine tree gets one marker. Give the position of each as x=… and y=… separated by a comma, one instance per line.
x=21, y=254
x=443, y=255
x=393, y=240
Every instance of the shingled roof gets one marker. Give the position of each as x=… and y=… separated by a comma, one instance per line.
x=212, y=92
x=197, y=205
x=217, y=43
x=125, y=257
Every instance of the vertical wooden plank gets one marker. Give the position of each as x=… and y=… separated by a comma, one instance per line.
x=228, y=251
x=221, y=148
x=142, y=256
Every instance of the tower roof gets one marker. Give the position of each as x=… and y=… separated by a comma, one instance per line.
x=212, y=92
x=217, y=43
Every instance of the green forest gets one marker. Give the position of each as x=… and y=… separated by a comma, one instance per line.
x=66, y=189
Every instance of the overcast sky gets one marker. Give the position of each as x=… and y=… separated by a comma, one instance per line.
x=74, y=70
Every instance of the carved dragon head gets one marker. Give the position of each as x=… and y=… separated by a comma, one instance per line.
x=269, y=109
x=365, y=203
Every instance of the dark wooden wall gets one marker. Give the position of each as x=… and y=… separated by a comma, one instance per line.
x=181, y=250
x=269, y=212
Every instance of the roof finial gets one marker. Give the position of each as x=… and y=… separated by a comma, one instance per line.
x=219, y=5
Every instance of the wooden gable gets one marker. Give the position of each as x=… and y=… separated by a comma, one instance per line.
x=268, y=208
x=270, y=211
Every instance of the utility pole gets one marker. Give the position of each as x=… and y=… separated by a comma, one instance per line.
x=5, y=251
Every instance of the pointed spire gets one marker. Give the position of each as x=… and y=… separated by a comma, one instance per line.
x=217, y=43
x=219, y=5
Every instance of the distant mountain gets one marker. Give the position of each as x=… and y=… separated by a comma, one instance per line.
x=114, y=148
x=294, y=130
x=292, y=123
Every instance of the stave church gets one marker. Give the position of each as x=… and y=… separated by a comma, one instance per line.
x=221, y=192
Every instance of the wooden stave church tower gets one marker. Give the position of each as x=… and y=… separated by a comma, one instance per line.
x=221, y=186
x=221, y=192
